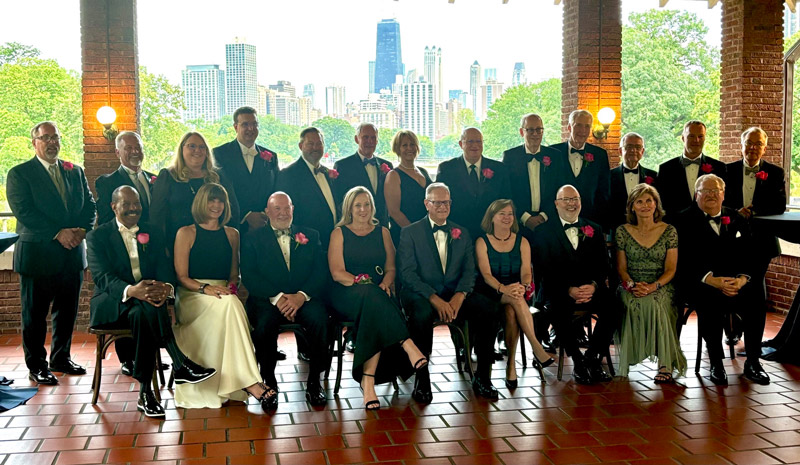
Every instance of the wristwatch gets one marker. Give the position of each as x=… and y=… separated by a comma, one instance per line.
x=202, y=288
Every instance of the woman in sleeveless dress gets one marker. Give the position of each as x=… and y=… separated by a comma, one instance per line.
x=647, y=255
x=212, y=326
x=404, y=188
x=504, y=261
x=361, y=259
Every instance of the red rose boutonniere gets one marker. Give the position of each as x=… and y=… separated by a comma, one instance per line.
x=487, y=173
x=153, y=179
x=587, y=231
x=762, y=175
x=546, y=161
x=300, y=239
x=266, y=155
x=68, y=166
x=706, y=167
x=455, y=233
x=649, y=180
x=529, y=291
x=233, y=288
x=588, y=157
x=726, y=220
x=363, y=278
x=385, y=168
x=333, y=174
x=144, y=239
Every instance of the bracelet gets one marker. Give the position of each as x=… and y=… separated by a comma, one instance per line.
x=202, y=289
x=498, y=289
x=658, y=285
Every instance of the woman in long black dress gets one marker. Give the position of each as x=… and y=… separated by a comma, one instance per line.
x=404, y=188
x=361, y=259
x=176, y=186
x=504, y=261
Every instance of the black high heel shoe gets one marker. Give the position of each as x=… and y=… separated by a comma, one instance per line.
x=540, y=366
x=268, y=399
x=372, y=404
x=510, y=383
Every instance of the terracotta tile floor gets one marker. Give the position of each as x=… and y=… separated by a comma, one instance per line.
x=626, y=421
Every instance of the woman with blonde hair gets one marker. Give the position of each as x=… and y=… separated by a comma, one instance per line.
x=404, y=188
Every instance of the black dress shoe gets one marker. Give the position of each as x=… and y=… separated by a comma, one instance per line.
x=596, y=371
x=732, y=341
x=718, y=375
x=550, y=346
x=303, y=356
x=68, y=367
x=192, y=373
x=583, y=340
x=484, y=389
x=497, y=355
x=43, y=376
x=422, y=387
x=350, y=346
x=582, y=375
x=755, y=373
x=280, y=355
x=126, y=368
x=315, y=395
x=149, y=405
x=164, y=366
x=511, y=383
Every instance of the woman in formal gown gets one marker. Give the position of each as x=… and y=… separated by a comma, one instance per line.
x=647, y=256
x=176, y=186
x=212, y=326
x=404, y=188
x=504, y=261
x=362, y=263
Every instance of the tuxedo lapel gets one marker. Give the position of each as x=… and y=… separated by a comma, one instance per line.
x=564, y=240
x=123, y=177
x=121, y=252
x=274, y=253
x=313, y=185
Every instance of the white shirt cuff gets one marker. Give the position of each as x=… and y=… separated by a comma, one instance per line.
x=544, y=215
x=274, y=300
x=305, y=295
x=524, y=218
x=244, y=218
x=125, y=296
x=705, y=277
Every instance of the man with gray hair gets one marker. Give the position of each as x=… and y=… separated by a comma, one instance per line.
x=364, y=168
x=129, y=150
x=627, y=175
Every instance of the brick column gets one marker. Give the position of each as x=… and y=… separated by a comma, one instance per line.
x=592, y=64
x=110, y=77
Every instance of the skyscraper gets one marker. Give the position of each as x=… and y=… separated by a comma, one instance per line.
x=519, y=76
x=308, y=91
x=490, y=73
x=475, y=85
x=284, y=86
x=490, y=92
x=388, y=56
x=371, y=77
x=241, y=83
x=419, y=113
x=433, y=71
x=334, y=101
x=204, y=92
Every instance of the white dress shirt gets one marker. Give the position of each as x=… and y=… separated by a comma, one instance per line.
x=130, y=241
x=285, y=243
x=440, y=237
x=692, y=172
x=534, y=167
x=631, y=179
x=748, y=184
x=249, y=155
x=572, y=233
x=477, y=166
x=324, y=187
x=575, y=158
x=138, y=176
x=372, y=171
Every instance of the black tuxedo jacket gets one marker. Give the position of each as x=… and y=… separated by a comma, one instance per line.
x=673, y=188
x=421, y=267
x=560, y=266
x=252, y=188
x=352, y=173
x=592, y=182
x=310, y=207
x=41, y=214
x=105, y=186
x=619, y=193
x=468, y=207
x=111, y=269
x=549, y=177
x=701, y=250
x=264, y=272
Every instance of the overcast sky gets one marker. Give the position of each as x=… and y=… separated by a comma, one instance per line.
x=328, y=42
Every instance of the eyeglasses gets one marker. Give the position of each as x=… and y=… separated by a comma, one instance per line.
x=569, y=199
x=710, y=191
x=440, y=203
x=249, y=125
x=536, y=131
x=754, y=144
x=473, y=141
x=636, y=147
x=194, y=147
x=47, y=138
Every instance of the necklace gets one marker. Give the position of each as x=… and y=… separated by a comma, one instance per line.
x=507, y=238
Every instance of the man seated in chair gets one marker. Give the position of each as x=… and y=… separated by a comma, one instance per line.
x=285, y=272
x=572, y=254
x=131, y=286
x=717, y=259
x=437, y=268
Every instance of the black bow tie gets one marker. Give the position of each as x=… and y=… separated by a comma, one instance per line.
x=579, y=152
x=715, y=219
x=537, y=156
x=748, y=170
x=626, y=170
x=319, y=170
x=686, y=162
x=370, y=161
x=282, y=232
x=444, y=227
x=568, y=226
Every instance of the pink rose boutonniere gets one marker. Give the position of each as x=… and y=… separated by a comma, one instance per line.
x=487, y=173
x=706, y=167
x=144, y=239
x=726, y=220
x=762, y=175
x=266, y=155
x=333, y=174
x=529, y=291
x=233, y=288
x=649, y=180
x=546, y=161
x=455, y=233
x=300, y=239
x=385, y=168
x=153, y=179
x=67, y=165
x=587, y=231
x=363, y=278
x=588, y=157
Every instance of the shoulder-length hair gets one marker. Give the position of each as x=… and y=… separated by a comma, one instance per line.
x=208, y=192
x=638, y=191
x=397, y=140
x=488, y=226
x=350, y=199
x=180, y=171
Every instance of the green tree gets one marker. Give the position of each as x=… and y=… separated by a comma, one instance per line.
x=11, y=52
x=501, y=127
x=670, y=75
x=447, y=147
x=426, y=147
x=161, y=109
x=384, y=148
x=795, y=169
x=339, y=136
x=465, y=118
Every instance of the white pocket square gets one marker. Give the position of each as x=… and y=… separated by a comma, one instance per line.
x=738, y=234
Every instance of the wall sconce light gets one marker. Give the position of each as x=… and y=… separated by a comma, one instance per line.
x=606, y=116
x=106, y=116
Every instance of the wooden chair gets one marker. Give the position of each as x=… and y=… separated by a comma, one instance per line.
x=586, y=319
x=105, y=337
x=462, y=341
x=683, y=318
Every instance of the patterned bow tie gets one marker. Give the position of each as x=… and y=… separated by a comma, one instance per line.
x=282, y=232
x=444, y=227
x=370, y=161
x=686, y=162
x=132, y=231
x=751, y=171
x=715, y=219
x=626, y=170
x=568, y=226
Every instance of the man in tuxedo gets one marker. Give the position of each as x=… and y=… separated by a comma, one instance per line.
x=716, y=264
x=572, y=250
x=586, y=166
x=474, y=181
x=251, y=168
x=54, y=208
x=437, y=268
x=756, y=187
x=364, y=168
x=132, y=282
x=677, y=176
x=284, y=269
x=311, y=186
x=626, y=176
